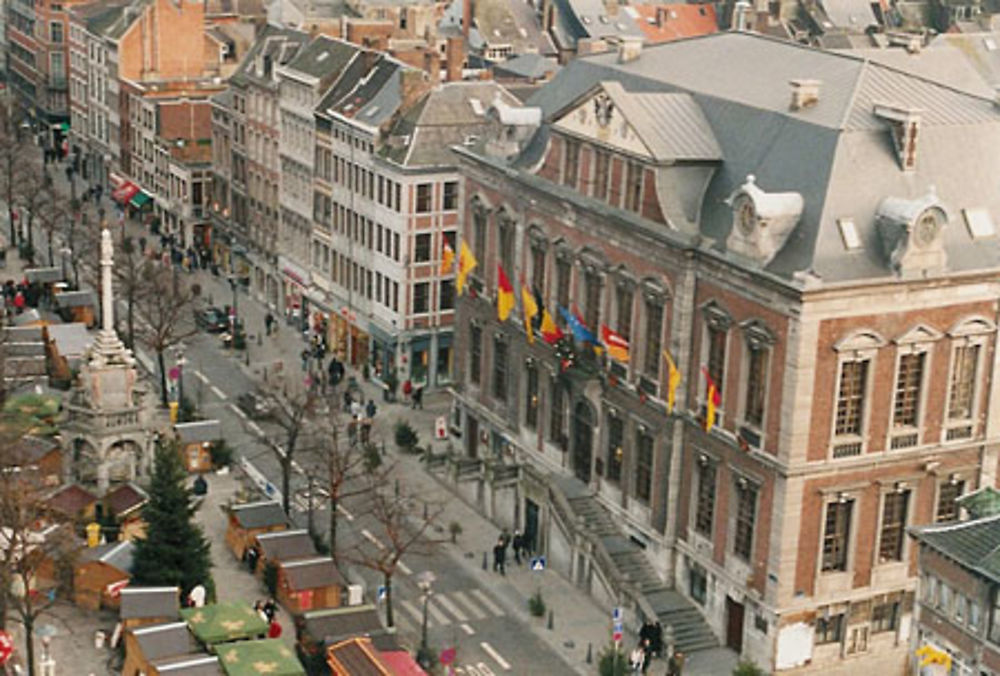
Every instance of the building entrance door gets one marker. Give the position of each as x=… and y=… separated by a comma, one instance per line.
x=734, y=625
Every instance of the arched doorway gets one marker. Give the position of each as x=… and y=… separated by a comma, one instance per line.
x=583, y=440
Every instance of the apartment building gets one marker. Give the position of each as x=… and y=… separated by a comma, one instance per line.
x=812, y=245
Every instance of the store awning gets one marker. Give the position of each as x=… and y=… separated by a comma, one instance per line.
x=124, y=192
x=140, y=199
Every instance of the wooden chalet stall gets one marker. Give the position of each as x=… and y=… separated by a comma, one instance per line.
x=67, y=348
x=317, y=630
x=218, y=623
x=249, y=520
x=124, y=504
x=141, y=606
x=78, y=306
x=285, y=545
x=358, y=656
x=145, y=645
x=307, y=584
x=196, y=440
x=187, y=665
x=244, y=658
x=41, y=456
x=99, y=574
x=75, y=503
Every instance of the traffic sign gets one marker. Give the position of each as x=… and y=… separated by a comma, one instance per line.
x=617, y=628
x=538, y=563
x=447, y=656
x=380, y=592
x=6, y=647
x=616, y=637
x=616, y=614
x=441, y=428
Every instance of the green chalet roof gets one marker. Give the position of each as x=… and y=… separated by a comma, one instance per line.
x=252, y=658
x=223, y=622
x=974, y=545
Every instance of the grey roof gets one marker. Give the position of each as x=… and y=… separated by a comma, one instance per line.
x=853, y=15
x=259, y=514
x=24, y=334
x=116, y=554
x=323, y=57
x=71, y=340
x=946, y=60
x=578, y=19
x=199, y=431
x=280, y=45
x=527, y=66
x=150, y=602
x=335, y=624
x=367, y=90
x=312, y=573
x=43, y=275
x=170, y=639
x=99, y=16
x=837, y=154
x=441, y=119
x=189, y=665
x=286, y=545
x=975, y=545
x=80, y=298
x=30, y=449
x=509, y=22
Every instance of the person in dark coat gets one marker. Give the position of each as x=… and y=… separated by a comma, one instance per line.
x=499, y=557
x=270, y=609
x=518, y=543
x=371, y=409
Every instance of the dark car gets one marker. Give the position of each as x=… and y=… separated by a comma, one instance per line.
x=254, y=405
x=212, y=319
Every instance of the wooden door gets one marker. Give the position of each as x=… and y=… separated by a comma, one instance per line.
x=734, y=625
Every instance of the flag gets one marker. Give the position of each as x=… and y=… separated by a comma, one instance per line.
x=673, y=380
x=530, y=308
x=466, y=263
x=712, y=401
x=505, y=295
x=615, y=342
x=447, y=258
x=551, y=333
x=580, y=332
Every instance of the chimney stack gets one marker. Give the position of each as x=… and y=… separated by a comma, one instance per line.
x=413, y=83
x=629, y=50
x=432, y=64
x=805, y=94
x=454, y=59
x=466, y=18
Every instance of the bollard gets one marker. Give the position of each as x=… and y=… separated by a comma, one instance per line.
x=485, y=562
x=590, y=653
x=551, y=624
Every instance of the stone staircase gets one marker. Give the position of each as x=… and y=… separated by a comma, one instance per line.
x=629, y=561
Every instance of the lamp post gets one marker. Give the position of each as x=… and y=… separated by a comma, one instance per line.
x=64, y=254
x=234, y=316
x=181, y=361
x=424, y=656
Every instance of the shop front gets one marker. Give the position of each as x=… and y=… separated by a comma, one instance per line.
x=294, y=281
x=347, y=340
x=382, y=355
x=427, y=360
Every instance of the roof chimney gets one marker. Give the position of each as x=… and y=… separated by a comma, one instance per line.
x=454, y=58
x=432, y=64
x=412, y=85
x=740, y=11
x=805, y=93
x=629, y=50
x=466, y=18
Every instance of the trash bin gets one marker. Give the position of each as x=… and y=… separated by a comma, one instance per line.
x=99, y=638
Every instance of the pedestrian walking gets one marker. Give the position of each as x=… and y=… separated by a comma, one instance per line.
x=305, y=360
x=518, y=543
x=268, y=322
x=270, y=609
x=258, y=607
x=371, y=409
x=407, y=389
x=499, y=557
x=348, y=400
x=418, y=398
x=675, y=665
x=274, y=629
x=635, y=659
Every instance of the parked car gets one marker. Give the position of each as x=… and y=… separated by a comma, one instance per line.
x=212, y=319
x=254, y=405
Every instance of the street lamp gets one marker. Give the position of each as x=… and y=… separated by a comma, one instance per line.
x=234, y=316
x=181, y=361
x=424, y=656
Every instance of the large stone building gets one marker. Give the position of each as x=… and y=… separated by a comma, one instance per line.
x=812, y=232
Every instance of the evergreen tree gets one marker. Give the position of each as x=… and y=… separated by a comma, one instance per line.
x=174, y=551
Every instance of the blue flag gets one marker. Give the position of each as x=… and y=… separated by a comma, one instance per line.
x=580, y=332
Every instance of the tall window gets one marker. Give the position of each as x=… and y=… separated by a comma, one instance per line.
x=424, y=193
x=592, y=302
x=475, y=354
x=829, y=629
x=757, y=359
x=746, y=513
x=885, y=616
x=633, y=186
x=602, y=162
x=421, y=297
x=654, y=337
x=717, y=335
x=557, y=411
x=505, y=245
x=616, y=435
x=479, y=234
x=422, y=248
x=837, y=535
x=948, y=494
x=450, y=197
x=906, y=409
x=851, y=397
x=890, y=547
x=643, y=466
x=705, y=507
x=961, y=390
x=446, y=292
x=531, y=396
x=623, y=301
x=563, y=270
x=500, y=369
x=538, y=268
x=571, y=165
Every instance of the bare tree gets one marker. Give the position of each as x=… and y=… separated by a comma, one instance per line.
x=52, y=217
x=32, y=538
x=401, y=528
x=131, y=271
x=165, y=312
x=15, y=149
x=33, y=193
x=291, y=412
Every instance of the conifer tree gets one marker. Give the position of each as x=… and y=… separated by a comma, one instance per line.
x=175, y=550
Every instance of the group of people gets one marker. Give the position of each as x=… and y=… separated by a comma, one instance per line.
x=651, y=645
x=17, y=297
x=268, y=611
x=362, y=417
x=521, y=545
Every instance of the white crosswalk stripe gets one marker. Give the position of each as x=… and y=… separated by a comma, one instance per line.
x=435, y=612
x=487, y=601
x=415, y=613
x=469, y=605
x=452, y=608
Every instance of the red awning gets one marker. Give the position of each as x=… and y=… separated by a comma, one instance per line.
x=125, y=192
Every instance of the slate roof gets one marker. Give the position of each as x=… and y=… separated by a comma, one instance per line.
x=71, y=499
x=975, y=545
x=443, y=118
x=81, y=298
x=509, y=22
x=336, y=624
x=370, y=95
x=170, y=639
x=286, y=545
x=578, y=19
x=312, y=573
x=280, y=44
x=323, y=57
x=259, y=514
x=527, y=66
x=836, y=154
x=100, y=15
x=854, y=15
x=115, y=554
x=241, y=659
x=150, y=602
x=198, y=431
x=125, y=498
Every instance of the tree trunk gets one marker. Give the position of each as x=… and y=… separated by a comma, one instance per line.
x=163, y=379
x=31, y=236
x=286, y=482
x=13, y=223
x=52, y=261
x=334, y=501
x=388, y=601
x=29, y=644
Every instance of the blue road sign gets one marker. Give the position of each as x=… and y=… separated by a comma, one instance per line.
x=269, y=488
x=616, y=614
x=617, y=628
x=380, y=593
x=538, y=563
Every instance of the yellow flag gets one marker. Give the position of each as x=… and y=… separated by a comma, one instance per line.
x=530, y=308
x=673, y=380
x=466, y=262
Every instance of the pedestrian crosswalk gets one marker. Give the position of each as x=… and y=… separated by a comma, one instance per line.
x=448, y=608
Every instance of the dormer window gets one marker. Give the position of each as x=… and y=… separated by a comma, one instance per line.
x=762, y=220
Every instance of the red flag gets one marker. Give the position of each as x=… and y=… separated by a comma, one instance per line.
x=713, y=400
